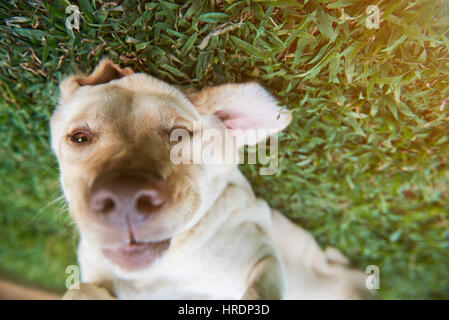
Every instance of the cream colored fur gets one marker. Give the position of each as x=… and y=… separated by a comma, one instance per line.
x=225, y=242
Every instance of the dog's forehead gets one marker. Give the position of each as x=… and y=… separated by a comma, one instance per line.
x=148, y=90
x=127, y=100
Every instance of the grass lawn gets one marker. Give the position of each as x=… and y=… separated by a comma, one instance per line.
x=363, y=166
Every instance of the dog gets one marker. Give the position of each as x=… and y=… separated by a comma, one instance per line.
x=152, y=229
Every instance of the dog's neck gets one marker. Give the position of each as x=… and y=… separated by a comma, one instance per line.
x=215, y=191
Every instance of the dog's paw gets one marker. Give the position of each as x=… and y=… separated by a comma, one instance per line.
x=87, y=291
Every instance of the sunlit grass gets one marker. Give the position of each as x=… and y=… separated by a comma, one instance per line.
x=363, y=165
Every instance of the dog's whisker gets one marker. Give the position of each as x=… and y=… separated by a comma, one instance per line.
x=47, y=206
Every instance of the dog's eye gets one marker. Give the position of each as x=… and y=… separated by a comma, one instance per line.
x=180, y=127
x=81, y=137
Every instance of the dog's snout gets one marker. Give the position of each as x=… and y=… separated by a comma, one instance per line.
x=148, y=200
x=127, y=198
x=103, y=201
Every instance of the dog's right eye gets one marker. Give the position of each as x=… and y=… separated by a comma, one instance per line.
x=81, y=137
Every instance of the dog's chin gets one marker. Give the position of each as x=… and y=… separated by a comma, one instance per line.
x=136, y=256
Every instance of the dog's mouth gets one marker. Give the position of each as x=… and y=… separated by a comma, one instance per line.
x=136, y=255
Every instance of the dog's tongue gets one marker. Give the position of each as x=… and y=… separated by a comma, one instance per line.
x=136, y=256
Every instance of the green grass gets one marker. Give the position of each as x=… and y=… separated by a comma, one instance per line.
x=364, y=164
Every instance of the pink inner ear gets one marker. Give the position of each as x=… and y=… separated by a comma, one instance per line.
x=258, y=119
x=239, y=123
x=235, y=120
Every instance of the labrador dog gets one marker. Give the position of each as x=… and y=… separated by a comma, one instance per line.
x=153, y=229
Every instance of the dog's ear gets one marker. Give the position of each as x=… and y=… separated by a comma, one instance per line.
x=245, y=108
x=105, y=71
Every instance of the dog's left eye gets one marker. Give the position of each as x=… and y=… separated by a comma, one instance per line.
x=81, y=137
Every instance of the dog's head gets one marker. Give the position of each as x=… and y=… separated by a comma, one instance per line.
x=111, y=134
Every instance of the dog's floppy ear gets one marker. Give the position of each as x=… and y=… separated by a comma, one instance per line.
x=105, y=71
x=245, y=108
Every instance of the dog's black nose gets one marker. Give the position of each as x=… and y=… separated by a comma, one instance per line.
x=127, y=198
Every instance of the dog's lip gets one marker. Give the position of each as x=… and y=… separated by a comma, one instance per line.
x=137, y=255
